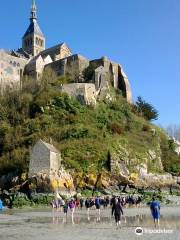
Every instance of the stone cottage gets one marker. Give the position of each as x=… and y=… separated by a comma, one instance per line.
x=45, y=165
x=44, y=158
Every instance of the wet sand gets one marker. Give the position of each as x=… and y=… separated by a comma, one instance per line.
x=45, y=224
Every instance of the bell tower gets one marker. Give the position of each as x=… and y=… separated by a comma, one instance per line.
x=33, y=41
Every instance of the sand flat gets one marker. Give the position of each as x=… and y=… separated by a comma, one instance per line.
x=45, y=224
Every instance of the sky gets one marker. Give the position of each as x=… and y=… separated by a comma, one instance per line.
x=142, y=35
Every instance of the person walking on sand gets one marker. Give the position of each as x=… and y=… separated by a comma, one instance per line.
x=98, y=205
x=1, y=205
x=113, y=200
x=81, y=203
x=88, y=204
x=57, y=200
x=117, y=212
x=72, y=207
x=65, y=208
x=155, y=211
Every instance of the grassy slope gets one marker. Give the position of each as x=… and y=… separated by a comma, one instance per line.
x=84, y=135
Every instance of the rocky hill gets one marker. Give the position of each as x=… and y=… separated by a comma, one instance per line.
x=104, y=145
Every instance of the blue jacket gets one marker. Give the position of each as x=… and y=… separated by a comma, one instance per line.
x=1, y=205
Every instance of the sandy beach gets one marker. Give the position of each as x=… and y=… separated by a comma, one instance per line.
x=45, y=224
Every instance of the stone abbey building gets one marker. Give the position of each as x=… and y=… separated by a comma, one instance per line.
x=33, y=58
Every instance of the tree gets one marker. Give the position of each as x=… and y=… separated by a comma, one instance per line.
x=146, y=110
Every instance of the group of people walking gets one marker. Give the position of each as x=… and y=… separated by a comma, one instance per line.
x=115, y=203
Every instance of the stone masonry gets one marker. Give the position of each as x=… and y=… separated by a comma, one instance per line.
x=45, y=158
x=33, y=58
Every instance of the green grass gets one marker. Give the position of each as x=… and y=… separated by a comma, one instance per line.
x=85, y=135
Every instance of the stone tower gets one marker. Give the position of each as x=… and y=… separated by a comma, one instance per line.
x=33, y=41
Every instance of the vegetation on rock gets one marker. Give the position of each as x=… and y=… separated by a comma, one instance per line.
x=87, y=137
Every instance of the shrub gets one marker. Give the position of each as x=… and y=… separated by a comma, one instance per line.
x=146, y=128
x=42, y=199
x=116, y=128
x=22, y=200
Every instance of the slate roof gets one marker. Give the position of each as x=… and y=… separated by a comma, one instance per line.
x=20, y=53
x=52, y=49
x=33, y=28
x=50, y=147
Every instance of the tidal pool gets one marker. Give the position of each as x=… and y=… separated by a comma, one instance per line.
x=42, y=224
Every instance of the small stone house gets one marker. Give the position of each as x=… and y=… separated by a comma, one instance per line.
x=44, y=158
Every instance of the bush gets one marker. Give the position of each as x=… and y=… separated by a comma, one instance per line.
x=22, y=200
x=116, y=128
x=42, y=199
x=146, y=128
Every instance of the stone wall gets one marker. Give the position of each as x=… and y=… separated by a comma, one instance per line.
x=39, y=159
x=84, y=92
x=106, y=73
x=11, y=69
x=114, y=76
x=36, y=66
x=72, y=66
x=54, y=160
x=123, y=83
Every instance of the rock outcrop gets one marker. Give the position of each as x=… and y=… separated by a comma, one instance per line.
x=140, y=169
x=57, y=181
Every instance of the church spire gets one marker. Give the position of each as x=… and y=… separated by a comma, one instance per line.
x=33, y=11
x=33, y=41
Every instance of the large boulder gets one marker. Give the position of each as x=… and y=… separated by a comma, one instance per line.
x=57, y=181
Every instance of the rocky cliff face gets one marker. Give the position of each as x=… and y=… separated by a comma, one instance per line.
x=57, y=181
x=140, y=168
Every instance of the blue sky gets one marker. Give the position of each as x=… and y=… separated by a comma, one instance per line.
x=142, y=35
